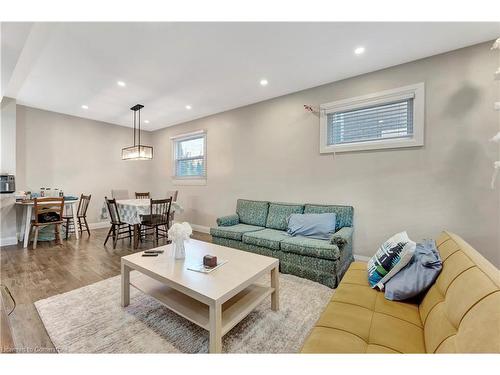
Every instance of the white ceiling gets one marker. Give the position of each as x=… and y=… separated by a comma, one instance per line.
x=211, y=66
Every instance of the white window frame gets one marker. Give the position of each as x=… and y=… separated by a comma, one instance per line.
x=416, y=91
x=188, y=180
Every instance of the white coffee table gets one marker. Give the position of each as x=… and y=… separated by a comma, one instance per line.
x=216, y=301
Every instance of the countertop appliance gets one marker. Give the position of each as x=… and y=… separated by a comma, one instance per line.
x=7, y=183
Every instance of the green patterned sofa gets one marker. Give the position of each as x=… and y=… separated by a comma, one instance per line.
x=260, y=227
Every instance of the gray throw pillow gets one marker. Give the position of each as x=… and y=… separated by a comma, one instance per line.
x=319, y=226
x=418, y=275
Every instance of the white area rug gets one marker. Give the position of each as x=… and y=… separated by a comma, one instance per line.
x=91, y=320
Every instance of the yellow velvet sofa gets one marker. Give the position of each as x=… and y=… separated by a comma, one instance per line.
x=460, y=313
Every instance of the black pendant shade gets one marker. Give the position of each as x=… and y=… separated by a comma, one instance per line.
x=137, y=151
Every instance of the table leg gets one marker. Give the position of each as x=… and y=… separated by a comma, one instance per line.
x=125, y=285
x=137, y=229
x=28, y=209
x=22, y=229
x=75, y=218
x=215, y=342
x=275, y=298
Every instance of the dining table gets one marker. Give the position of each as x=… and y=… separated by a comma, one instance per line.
x=132, y=210
x=27, y=205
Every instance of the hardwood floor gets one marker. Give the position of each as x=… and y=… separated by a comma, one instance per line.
x=32, y=275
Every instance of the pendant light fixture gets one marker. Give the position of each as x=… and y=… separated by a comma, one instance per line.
x=137, y=151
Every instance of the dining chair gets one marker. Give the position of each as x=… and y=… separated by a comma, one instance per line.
x=158, y=219
x=48, y=211
x=119, y=230
x=81, y=215
x=172, y=194
x=119, y=194
x=142, y=196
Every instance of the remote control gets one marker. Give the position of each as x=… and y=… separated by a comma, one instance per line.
x=150, y=255
x=153, y=251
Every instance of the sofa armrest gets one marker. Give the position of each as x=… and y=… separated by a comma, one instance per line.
x=342, y=237
x=229, y=220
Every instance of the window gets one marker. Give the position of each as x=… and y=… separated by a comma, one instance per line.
x=387, y=119
x=190, y=156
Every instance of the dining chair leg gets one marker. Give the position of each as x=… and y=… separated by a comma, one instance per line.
x=115, y=237
x=66, y=236
x=80, y=225
x=35, y=238
x=109, y=234
x=130, y=234
x=86, y=225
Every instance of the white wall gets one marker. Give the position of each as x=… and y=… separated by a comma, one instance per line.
x=270, y=151
x=76, y=155
x=7, y=165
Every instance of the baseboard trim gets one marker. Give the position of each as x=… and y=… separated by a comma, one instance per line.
x=8, y=241
x=99, y=225
x=200, y=228
x=361, y=258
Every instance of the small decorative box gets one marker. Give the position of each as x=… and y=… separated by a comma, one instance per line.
x=210, y=261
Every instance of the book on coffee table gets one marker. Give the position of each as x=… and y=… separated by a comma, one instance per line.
x=200, y=267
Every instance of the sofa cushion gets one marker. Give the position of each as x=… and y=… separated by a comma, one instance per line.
x=279, y=213
x=252, y=212
x=311, y=247
x=355, y=290
x=269, y=238
x=360, y=320
x=234, y=232
x=343, y=214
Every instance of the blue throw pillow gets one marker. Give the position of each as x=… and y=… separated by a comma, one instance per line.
x=418, y=275
x=319, y=226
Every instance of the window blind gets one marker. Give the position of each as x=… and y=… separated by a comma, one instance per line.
x=190, y=157
x=384, y=121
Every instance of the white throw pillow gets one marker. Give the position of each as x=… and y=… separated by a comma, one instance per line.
x=392, y=255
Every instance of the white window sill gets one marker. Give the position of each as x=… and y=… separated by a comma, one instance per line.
x=373, y=145
x=189, y=181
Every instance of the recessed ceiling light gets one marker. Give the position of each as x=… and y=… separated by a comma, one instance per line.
x=359, y=50
x=84, y=106
x=146, y=121
x=263, y=82
x=188, y=106
x=121, y=83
